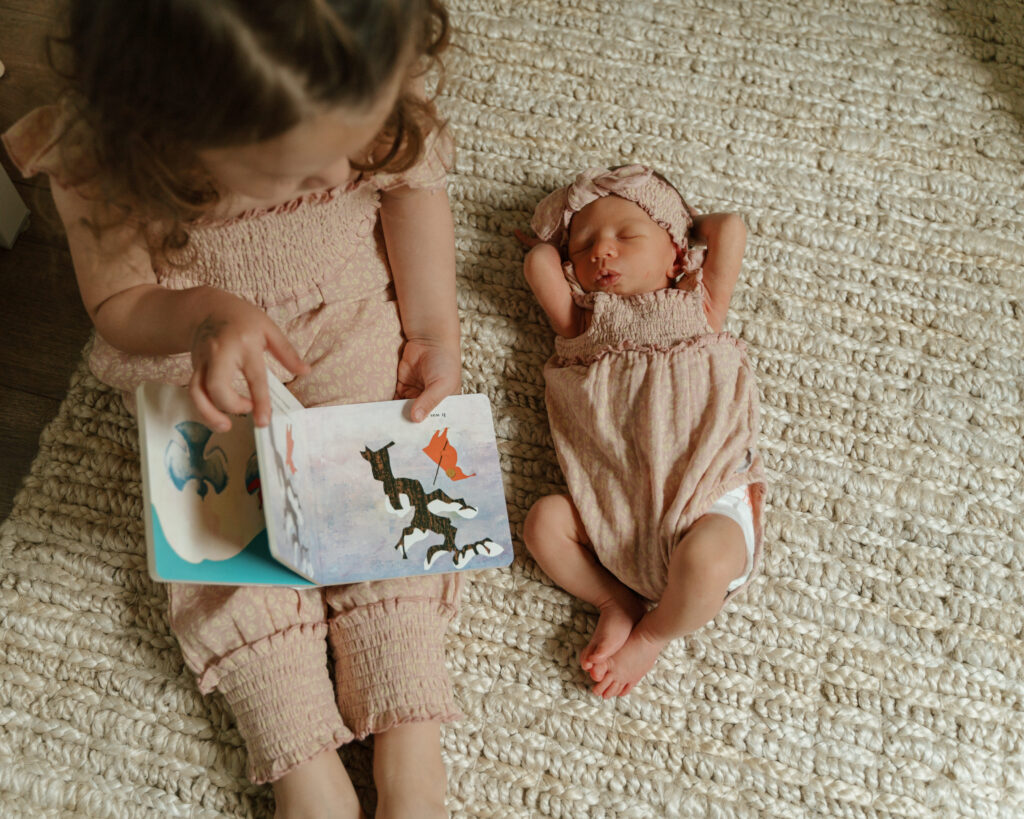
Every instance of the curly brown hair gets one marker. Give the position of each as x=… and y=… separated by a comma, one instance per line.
x=153, y=82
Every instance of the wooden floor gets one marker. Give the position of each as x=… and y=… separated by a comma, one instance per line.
x=43, y=325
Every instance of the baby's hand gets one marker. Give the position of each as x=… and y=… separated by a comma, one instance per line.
x=526, y=239
x=231, y=339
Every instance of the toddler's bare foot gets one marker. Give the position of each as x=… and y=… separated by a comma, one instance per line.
x=409, y=772
x=627, y=666
x=317, y=789
x=616, y=621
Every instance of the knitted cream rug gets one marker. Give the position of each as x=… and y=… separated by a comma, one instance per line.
x=876, y=666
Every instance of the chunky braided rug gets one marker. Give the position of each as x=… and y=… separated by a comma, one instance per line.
x=876, y=667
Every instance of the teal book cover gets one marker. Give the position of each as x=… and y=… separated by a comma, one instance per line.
x=321, y=496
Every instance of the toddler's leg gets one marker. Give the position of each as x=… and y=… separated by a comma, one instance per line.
x=710, y=556
x=317, y=789
x=409, y=773
x=555, y=536
x=265, y=650
x=388, y=641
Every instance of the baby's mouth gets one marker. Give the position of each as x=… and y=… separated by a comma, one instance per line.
x=607, y=277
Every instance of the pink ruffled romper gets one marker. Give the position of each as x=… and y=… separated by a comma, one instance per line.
x=317, y=266
x=654, y=417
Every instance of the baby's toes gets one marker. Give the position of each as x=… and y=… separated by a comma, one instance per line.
x=601, y=688
x=597, y=669
x=594, y=661
x=613, y=690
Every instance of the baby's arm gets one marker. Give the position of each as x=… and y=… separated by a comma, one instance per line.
x=726, y=238
x=226, y=335
x=420, y=237
x=543, y=270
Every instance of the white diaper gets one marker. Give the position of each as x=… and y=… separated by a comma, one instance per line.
x=736, y=506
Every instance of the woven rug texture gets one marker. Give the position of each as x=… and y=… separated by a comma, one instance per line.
x=876, y=665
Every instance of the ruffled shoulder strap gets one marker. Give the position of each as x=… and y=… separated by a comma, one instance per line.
x=34, y=143
x=431, y=170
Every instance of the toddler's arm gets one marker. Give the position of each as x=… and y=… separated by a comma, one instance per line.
x=226, y=335
x=543, y=270
x=420, y=239
x=726, y=238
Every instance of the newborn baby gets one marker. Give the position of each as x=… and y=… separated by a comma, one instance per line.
x=653, y=412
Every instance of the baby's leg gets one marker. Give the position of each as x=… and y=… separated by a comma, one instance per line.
x=710, y=556
x=555, y=536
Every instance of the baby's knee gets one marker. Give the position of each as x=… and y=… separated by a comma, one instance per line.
x=712, y=554
x=549, y=521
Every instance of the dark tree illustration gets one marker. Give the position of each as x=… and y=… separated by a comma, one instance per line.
x=424, y=520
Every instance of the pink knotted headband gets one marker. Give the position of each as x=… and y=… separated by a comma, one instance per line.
x=638, y=184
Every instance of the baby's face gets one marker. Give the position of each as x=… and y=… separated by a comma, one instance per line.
x=615, y=247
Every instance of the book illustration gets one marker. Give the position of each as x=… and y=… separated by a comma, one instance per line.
x=200, y=483
x=192, y=461
x=252, y=478
x=430, y=512
x=291, y=526
x=441, y=452
x=322, y=495
x=289, y=457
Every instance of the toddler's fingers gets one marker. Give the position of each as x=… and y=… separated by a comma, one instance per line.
x=281, y=348
x=213, y=417
x=256, y=375
x=432, y=395
x=219, y=383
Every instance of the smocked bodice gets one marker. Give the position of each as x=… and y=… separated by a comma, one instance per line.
x=650, y=321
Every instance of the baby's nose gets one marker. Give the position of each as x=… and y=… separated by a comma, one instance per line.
x=604, y=249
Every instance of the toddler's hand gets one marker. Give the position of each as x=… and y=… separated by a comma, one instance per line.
x=231, y=340
x=428, y=371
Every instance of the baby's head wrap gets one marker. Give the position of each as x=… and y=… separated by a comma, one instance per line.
x=638, y=184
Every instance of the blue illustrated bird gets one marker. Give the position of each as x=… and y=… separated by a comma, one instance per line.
x=191, y=461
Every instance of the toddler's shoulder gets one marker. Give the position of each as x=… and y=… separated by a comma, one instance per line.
x=52, y=141
x=429, y=172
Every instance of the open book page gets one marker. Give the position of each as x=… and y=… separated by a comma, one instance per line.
x=324, y=495
x=288, y=486
x=204, y=517
x=397, y=498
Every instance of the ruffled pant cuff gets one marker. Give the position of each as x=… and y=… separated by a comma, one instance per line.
x=389, y=664
x=280, y=692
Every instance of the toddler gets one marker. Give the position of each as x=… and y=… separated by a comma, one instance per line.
x=242, y=177
x=653, y=412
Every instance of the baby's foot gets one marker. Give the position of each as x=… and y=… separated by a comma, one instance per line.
x=616, y=621
x=627, y=666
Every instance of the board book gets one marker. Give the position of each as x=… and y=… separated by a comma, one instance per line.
x=322, y=495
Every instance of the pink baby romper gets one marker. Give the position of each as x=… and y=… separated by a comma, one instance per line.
x=317, y=266
x=654, y=417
